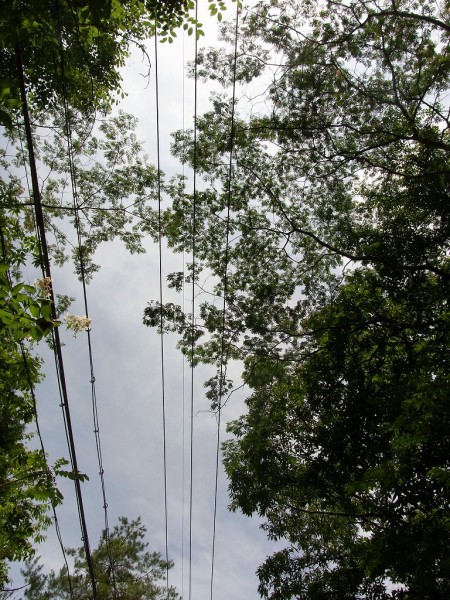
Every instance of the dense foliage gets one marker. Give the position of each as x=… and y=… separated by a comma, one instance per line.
x=76, y=48
x=95, y=38
x=336, y=284
x=124, y=569
x=27, y=488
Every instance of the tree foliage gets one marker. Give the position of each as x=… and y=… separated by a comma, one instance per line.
x=115, y=185
x=27, y=483
x=336, y=285
x=123, y=566
x=77, y=48
x=33, y=35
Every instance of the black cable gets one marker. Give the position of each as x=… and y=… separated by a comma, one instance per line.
x=57, y=342
x=223, y=362
x=161, y=315
x=44, y=455
x=76, y=207
x=183, y=395
x=193, y=298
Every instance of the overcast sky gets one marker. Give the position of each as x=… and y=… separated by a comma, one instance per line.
x=127, y=367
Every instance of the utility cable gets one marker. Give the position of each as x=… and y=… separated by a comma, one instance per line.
x=57, y=342
x=223, y=362
x=27, y=370
x=73, y=178
x=161, y=315
x=183, y=390
x=193, y=298
x=86, y=308
x=44, y=455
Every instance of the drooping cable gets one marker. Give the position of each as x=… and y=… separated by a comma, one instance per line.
x=76, y=207
x=57, y=342
x=161, y=315
x=223, y=359
x=194, y=224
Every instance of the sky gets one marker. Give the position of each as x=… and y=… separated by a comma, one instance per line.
x=127, y=367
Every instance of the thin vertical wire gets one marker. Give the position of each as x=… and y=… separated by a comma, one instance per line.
x=44, y=455
x=95, y=417
x=193, y=300
x=161, y=316
x=55, y=333
x=183, y=398
x=225, y=285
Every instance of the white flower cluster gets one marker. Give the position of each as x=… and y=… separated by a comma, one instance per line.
x=44, y=287
x=77, y=323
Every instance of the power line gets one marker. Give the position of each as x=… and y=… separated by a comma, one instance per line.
x=161, y=309
x=57, y=342
x=183, y=396
x=76, y=207
x=41, y=442
x=193, y=298
x=223, y=363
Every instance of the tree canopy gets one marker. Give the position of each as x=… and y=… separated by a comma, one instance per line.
x=323, y=222
x=76, y=48
x=123, y=566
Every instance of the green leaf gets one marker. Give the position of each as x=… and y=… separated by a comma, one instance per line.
x=5, y=119
x=35, y=310
x=15, y=289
